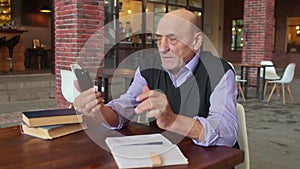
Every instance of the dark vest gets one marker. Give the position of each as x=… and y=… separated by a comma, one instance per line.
x=192, y=97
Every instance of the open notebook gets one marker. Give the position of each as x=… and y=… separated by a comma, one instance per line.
x=145, y=151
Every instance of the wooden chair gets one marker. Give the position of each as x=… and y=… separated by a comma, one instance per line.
x=239, y=82
x=35, y=56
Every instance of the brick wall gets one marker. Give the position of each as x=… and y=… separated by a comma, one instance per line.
x=282, y=9
x=78, y=37
x=258, y=20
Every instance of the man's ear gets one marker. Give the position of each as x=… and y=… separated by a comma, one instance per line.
x=198, y=39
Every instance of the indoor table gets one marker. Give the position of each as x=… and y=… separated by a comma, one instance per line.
x=77, y=150
x=40, y=55
x=105, y=74
x=246, y=66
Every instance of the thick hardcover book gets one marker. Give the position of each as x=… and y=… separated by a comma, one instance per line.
x=51, y=117
x=51, y=132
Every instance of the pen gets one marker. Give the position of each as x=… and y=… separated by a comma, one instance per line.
x=147, y=143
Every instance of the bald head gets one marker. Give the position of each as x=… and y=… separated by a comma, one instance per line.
x=185, y=15
x=180, y=21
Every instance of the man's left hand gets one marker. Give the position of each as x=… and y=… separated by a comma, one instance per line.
x=156, y=105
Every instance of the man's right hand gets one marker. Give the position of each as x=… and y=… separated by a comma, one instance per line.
x=89, y=102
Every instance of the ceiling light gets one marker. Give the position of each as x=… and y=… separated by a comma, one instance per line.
x=45, y=9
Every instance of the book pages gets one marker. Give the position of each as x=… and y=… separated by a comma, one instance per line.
x=137, y=151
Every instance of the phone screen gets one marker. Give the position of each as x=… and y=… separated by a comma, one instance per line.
x=84, y=79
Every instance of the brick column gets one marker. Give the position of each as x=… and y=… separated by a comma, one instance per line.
x=75, y=23
x=258, y=20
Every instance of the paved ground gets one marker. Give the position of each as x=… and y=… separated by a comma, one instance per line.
x=274, y=132
x=273, y=128
x=10, y=114
x=274, y=135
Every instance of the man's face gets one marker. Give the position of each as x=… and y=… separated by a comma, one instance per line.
x=174, y=42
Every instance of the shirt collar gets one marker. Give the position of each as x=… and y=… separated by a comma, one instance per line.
x=185, y=72
x=192, y=64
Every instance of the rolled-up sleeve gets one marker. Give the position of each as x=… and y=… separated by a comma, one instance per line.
x=221, y=125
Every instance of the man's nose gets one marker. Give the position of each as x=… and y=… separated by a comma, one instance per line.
x=164, y=44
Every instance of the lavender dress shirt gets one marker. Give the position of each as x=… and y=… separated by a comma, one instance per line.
x=221, y=125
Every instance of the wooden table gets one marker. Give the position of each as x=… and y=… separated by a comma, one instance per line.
x=79, y=151
x=258, y=67
x=40, y=55
x=110, y=73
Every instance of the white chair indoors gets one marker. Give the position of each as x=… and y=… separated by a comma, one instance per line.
x=270, y=73
x=68, y=89
x=239, y=82
x=287, y=78
x=243, y=138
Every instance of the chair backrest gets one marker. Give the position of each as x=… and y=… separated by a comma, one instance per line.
x=270, y=71
x=2, y=41
x=243, y=137
x=231, y=66
x=13, y=41
x=68, y=89
x=266, y=62
x=288, y=74
x=237, y=77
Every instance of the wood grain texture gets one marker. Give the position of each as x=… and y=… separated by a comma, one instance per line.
x=79, y=151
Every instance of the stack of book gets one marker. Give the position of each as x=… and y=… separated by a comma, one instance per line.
x=50, y=124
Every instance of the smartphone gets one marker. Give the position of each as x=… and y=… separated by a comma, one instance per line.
x=84, y=79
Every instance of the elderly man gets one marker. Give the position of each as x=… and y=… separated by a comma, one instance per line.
x=183, y=90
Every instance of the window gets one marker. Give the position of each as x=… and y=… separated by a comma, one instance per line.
x=237, y=35
x=177, y=2
x=130, y=33
x=196, y=3
x=293, y=34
